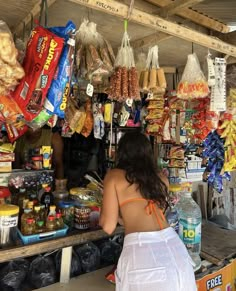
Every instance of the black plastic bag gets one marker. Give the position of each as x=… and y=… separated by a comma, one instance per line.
x=75, y=269
x=42, y=272
x=110, y=252
x=90, y=256
x=13, y=274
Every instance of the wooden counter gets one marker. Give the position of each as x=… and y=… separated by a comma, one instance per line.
x=217, y=245
x=75, y=238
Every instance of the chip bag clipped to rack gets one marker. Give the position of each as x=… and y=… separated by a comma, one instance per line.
x=193, y=83
x=42, y=55
x=59, y=91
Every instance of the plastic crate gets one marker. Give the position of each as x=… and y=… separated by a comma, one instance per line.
x=27, y=239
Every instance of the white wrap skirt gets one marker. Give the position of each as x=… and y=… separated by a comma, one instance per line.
x=155, y=261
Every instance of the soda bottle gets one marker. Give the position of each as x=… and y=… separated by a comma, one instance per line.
x=190, y=220
x=59, y=221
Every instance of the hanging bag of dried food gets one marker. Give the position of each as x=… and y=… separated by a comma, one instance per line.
x=124, y=81
x=94, y=55
x=193, y=83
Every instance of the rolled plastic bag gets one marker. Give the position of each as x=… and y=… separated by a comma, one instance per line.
x=42, y=271
x=90, y=256
x=13, y=274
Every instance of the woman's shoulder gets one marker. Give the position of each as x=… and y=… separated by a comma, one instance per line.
x=115, y=174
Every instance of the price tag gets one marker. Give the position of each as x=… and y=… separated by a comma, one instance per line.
x=89, y=90
x=129, y=102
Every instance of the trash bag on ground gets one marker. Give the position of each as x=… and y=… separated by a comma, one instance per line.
x=75, y=269
x=42, y=271
x=13, y=274
x=110, y=252
x=90, y=256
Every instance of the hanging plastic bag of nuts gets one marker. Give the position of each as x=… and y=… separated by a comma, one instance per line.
x=124, y=81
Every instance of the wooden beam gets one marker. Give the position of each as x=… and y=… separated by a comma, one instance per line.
x=176, y=6
x=150, y=40
x=120, y=10
x=195, y=16
x=33, y=13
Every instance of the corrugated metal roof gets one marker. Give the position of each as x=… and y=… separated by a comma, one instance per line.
x=221, y=10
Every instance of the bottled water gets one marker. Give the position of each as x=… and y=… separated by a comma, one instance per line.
x=190, y=221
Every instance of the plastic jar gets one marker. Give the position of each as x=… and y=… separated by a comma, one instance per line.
x=174, y=194
x=8, y=224
x=67, y=210
x=60, y=195
x=5, y=195
x=82, y=217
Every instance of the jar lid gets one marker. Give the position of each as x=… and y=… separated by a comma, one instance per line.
x=30, y=220
x=51, y=217
x=174, y=188
x=37, y=158
x=8, y=210
x=4, y=192
x=65, y=204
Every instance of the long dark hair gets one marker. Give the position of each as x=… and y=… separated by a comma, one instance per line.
x=135, y=156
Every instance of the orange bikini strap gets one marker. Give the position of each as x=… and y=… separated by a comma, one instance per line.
x=130, y=200
x=150, y=208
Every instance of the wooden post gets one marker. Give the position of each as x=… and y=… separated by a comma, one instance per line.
x=66, y=257
x=120, y=10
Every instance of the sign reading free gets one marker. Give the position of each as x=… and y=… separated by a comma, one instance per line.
x=221, y=280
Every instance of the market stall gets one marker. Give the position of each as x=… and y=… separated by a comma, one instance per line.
x=88, y=72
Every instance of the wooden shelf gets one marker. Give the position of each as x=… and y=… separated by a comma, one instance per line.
x=75, y=238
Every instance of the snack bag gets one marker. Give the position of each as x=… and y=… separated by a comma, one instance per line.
x=11, y=71
x=42, y=55
x=59, y=91
x=10, y=111
x=193, y=83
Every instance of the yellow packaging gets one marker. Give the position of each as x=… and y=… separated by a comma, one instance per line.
x=47, y=157
x=107, y=113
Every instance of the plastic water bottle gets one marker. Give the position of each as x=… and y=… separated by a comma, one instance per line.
x=190, y=222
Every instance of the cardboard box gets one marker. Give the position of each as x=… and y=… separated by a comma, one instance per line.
x=221, y=280
x=5, y=167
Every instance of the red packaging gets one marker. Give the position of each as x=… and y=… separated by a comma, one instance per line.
x=42, y=55
x=15, y=132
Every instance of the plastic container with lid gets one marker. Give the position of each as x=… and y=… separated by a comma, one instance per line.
x=174, y=194
x=60, y=195
x=82, y=217
x=5, y=195
x=8, y=224
x=67, y=210
x=38, y=162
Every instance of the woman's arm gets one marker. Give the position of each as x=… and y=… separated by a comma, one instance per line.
x=110, y=206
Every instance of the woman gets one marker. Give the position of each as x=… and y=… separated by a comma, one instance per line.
x=153, y=256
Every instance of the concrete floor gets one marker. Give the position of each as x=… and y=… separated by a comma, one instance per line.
x=94, y=281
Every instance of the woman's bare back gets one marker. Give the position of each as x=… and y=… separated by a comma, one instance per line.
x=133, y=213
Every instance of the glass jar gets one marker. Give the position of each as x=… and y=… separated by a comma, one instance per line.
x=60, y=195
x=51, y=223
x=67, y=210
x=5, y=195
x=8, y=224
x=29, y=228
x=82, y=217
